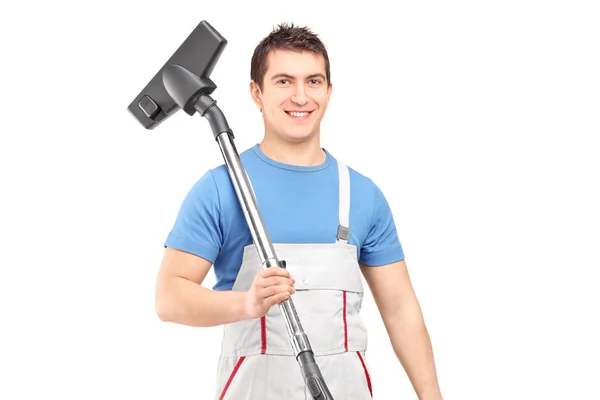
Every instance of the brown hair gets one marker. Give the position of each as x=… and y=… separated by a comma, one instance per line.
x=286, y=37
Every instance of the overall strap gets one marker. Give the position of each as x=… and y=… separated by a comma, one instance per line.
x=343, y=232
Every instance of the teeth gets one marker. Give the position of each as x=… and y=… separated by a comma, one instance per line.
x=298, y=114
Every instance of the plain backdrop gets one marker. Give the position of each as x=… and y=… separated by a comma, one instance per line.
x=479, y=121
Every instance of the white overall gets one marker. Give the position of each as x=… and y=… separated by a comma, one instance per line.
x=257, y=361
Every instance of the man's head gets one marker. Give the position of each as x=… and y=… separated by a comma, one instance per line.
x=291, y=82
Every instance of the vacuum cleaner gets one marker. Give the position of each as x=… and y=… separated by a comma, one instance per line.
x=183, y=82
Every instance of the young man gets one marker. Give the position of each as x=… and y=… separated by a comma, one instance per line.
x=331, y=225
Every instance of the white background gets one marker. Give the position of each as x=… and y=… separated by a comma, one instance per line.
x=493, y=178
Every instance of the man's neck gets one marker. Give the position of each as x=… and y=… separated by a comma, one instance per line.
x=308, y=153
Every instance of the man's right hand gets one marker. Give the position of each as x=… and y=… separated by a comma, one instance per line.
x=270, y=287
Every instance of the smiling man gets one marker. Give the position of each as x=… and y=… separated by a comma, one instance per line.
x=331, y=224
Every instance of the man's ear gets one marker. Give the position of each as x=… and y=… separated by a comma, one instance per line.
x=256, y=95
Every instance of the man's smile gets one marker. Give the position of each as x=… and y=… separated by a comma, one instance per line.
x=299, y=114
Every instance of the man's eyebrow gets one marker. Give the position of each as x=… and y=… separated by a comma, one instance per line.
x=319, y=75
x=282, y=75
x=288, y=76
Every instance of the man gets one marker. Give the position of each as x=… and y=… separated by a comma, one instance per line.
x=330, y=224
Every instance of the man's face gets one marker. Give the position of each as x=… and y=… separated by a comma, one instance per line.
x=295, y=94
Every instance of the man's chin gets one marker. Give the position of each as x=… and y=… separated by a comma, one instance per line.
x=299, y=136
x=294, y=134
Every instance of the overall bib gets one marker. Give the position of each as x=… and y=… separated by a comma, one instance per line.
x=257, y=361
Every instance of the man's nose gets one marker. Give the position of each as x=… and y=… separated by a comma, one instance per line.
x=299, y=97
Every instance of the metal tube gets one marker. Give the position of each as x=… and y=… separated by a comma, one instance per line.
x=245, y=193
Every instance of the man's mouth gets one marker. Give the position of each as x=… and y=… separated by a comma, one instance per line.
x=299, y=114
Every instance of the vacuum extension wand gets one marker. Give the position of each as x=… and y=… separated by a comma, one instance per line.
x=184, y=83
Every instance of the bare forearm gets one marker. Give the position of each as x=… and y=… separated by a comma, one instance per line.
x=412, y=345
x=182, y=301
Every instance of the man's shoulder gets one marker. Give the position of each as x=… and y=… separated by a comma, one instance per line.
x=360, y=178
x=220, y=173
x=219, y=181
x=359, y=181
x=363, y=188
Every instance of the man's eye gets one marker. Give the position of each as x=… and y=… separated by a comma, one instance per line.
x=315, y=81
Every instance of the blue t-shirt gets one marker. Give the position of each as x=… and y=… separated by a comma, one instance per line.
x=299, y=204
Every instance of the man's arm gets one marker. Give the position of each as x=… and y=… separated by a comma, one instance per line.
x=401, y=313
x=181, y=298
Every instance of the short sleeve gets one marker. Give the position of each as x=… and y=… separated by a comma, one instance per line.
x=197, y=229
x=382, y=245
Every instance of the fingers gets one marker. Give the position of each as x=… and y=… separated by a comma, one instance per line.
x=274, y=276
x=279, y=298
x=276, y=280
x=277, y=290
x=270, y=287
x=274, y=271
